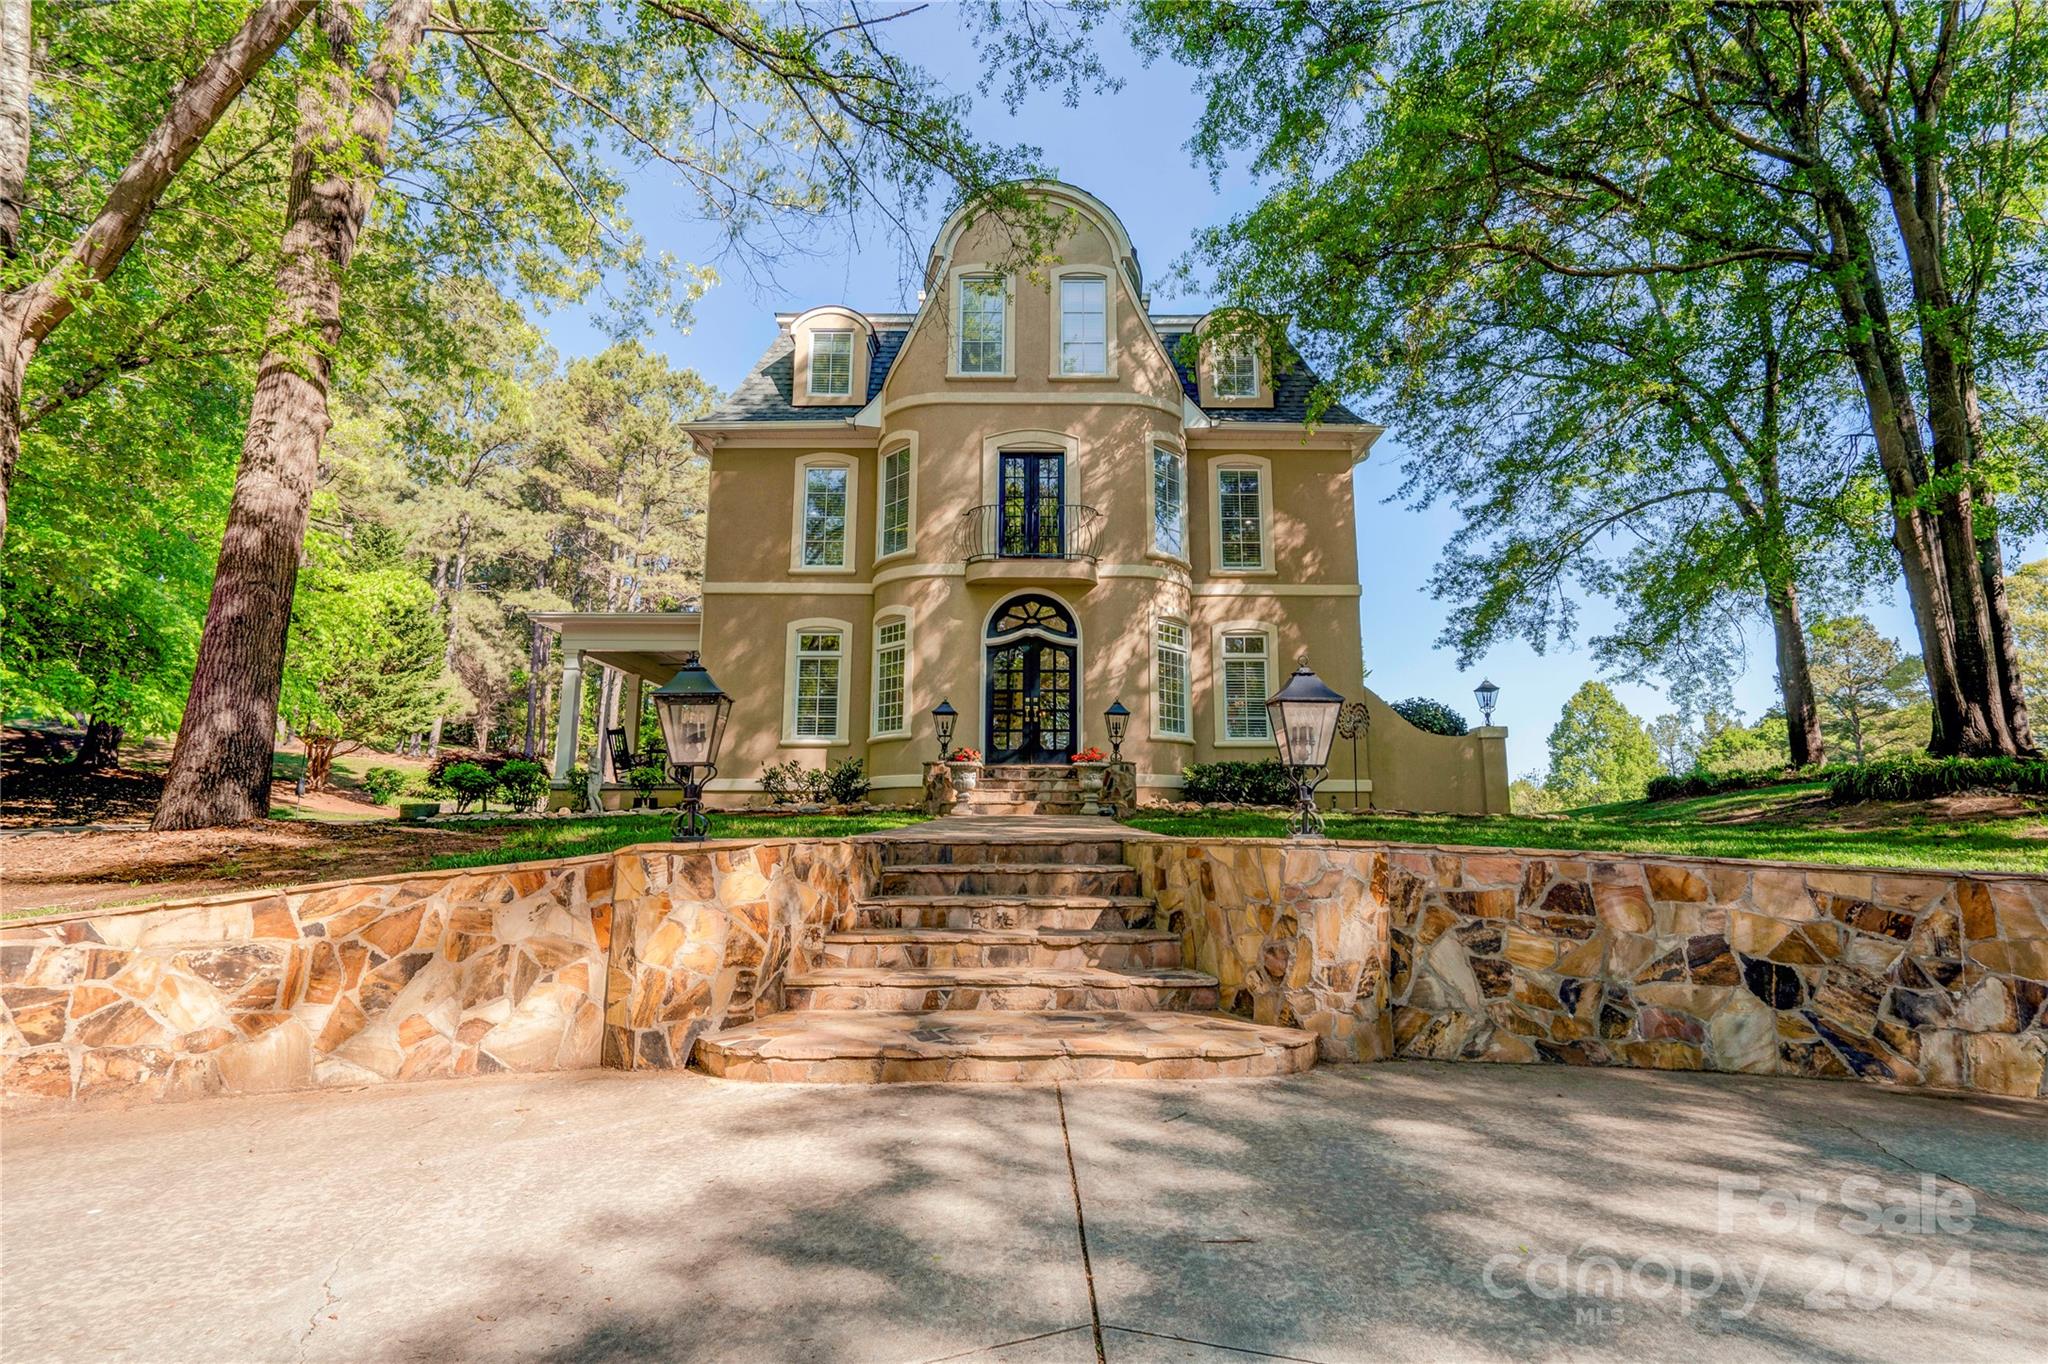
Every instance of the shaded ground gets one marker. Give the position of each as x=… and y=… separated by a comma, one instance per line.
x=47, y=872
x=1392, y=1212
x=1989, y=832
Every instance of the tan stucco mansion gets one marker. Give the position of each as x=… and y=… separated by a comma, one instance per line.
x=1018, y=500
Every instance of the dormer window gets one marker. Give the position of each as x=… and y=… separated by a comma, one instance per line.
x=1237, y=372
x=832, y=364
x=1084, y=325
x=982, y=324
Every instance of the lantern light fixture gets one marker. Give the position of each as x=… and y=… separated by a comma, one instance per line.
x=1486, y=694
x=943, y=716
x=1116, y=723
x=693, y=710
x=1302, y=717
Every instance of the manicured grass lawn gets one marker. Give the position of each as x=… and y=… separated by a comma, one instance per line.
x=1791, y=823
x=533, y=842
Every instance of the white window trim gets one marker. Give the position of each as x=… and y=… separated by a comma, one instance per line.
x=875, y=730
x=1221, y=707
x=811, y=379
x=1216, y=373
x=1160, y=734
x=908, y=447
x=956, y=296
x=1264, y=468
x=796, y=541
x=1162, y=441
x=1108, y=277
x=796, y=628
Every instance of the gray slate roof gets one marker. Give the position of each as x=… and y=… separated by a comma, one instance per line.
x=765, y=394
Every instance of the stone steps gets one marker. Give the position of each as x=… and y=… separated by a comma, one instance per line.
x=1013, y=988
x=1114, y=949
x=1026, y=789
x=1017, y=878
x=1004, y=912
x=870, y=1048
x=897, y=852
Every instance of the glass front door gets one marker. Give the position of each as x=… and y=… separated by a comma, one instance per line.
x=1031, y=702
x=1034, y=494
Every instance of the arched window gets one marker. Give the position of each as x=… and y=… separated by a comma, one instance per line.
x=1032, y=612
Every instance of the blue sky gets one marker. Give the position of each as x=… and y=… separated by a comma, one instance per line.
x=1145, y=173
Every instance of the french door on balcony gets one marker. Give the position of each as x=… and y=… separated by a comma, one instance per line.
x=1033, y=501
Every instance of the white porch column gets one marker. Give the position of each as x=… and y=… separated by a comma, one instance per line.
x=630, y=701
x=568, y=712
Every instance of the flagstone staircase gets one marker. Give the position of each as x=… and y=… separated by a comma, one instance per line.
x=992, y=958
x=1025, y=789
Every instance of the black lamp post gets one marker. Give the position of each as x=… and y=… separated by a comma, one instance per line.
x=1303, y=718
x=1486, y=694
x=943, y=716
x=1116, y=723
x=692, y=711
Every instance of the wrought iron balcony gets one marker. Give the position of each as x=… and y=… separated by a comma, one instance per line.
x=1012, y=530
x=1030, y=542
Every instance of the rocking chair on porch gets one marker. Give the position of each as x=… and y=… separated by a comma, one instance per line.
x=624, y=759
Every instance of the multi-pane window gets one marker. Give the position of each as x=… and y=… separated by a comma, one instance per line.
x=832, y=364
x=1172, y=674
x=981, y=324
x=1245, y=687
x=896, y=501
x=1237, y=372
x=1084, y=325
x=819, y=655
x=825, y=516
x=1169, y=502
x=892, y=641
x=1238, y=518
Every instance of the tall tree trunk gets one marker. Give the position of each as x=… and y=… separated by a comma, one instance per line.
x=220, y=769
x=2006, y=646
x=100, y=748
x=30, y=313
x=1795, y=679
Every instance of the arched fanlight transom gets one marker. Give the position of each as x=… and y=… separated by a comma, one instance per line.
x=1034, y=614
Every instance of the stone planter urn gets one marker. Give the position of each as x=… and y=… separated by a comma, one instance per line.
x=1090, y=774
x=966, y=776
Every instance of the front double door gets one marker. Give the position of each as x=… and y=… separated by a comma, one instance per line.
x=1031, y=702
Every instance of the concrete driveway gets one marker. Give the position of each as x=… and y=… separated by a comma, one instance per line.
x=1407, y=1212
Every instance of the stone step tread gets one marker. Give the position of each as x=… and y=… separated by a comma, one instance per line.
x=823, y=1035
x=1052, y=937
x=1006, y=868
x=996, y=977
x=986, y=898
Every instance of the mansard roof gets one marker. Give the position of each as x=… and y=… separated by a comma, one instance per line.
x=766, y=394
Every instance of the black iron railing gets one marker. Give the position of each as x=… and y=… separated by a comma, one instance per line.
x=1025, y=530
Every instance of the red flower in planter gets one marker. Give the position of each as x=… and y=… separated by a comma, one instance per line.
x=1091, y=754
x=965, y=755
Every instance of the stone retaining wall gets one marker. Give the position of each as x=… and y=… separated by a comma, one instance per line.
x=1910, y=978
x=395, y=978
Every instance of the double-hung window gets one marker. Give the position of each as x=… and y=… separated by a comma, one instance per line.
x=892, y=654
x=983, y=303
x=824, y=515
x=832, y=364
x=895, y=517
x=1170, y=653
x=820, y=675
x=1240, y=520
x=1084, y=325
x=1169, y=502
x=1237, y=372
x=1246, y=685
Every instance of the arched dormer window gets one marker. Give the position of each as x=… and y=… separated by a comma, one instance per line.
x=831, y=347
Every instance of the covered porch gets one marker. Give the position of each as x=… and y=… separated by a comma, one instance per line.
x=645, y=648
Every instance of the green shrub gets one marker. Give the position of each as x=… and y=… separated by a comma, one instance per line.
x=1925, y=778
x=1431, y=717
x=467, y=782
x=847, y=783
x=645, y=778
x=382, y=784
x=1238, y=783
x=1699, y=782
x=783, y=782
x=523, y=782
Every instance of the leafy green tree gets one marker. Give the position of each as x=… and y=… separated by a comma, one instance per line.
x=1730, y=746
x=2028, y=590
x=1865, y=683
x=1677, y=743
x=1431, y=717
x=1442, y=175
x=1599, y=752
x=365, y=656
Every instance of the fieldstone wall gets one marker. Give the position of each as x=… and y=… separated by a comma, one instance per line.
x=1907, y=978
x=1295, y=935
x=396, y=978
x=705, y=937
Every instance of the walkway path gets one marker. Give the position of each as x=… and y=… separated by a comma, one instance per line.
x=1348, y=1214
